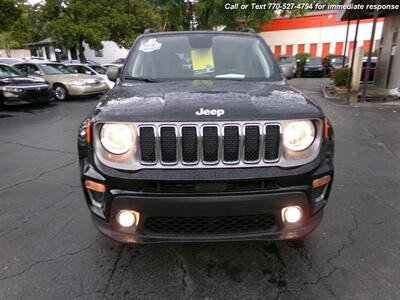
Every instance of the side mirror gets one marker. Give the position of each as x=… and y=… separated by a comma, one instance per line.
x=37, y=72
x=113, y=73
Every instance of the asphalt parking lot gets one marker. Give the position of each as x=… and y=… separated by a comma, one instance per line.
x=50, y=249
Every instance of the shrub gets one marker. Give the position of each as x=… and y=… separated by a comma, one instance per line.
x=341, y=76
x=302, y=57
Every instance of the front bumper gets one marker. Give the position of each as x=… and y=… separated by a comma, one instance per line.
x=11, y=98
x=310, y=73
x=205, y=195
x=76, y=90
x=198, y=207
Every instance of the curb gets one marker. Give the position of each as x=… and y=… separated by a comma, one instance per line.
x=337, y=99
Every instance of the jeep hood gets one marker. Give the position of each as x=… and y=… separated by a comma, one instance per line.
x=179, y=100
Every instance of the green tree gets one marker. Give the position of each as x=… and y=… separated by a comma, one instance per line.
x=70, y=22
x=172, y=14
x=25, y=28
x=28, y=27
x=126, y=19
x=9, y=13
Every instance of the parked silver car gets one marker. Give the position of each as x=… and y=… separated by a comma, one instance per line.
x=288, y=65
x=64, y=82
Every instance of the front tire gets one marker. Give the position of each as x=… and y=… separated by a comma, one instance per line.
x=60, y=92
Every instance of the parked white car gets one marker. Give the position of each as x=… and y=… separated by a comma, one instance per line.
x=91, y=69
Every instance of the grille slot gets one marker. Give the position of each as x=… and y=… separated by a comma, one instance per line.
x=210, y=144
x=147, y=145
x=189, y=145
x=252, y=144
x=168, y=145
x=210, y=225
x=231, y=144
x=271, y=142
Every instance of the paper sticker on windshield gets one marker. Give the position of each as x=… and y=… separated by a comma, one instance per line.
x=202, y=61
x=150, y=46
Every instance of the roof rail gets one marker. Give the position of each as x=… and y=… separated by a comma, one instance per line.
x=149, y=30
x=249, y=30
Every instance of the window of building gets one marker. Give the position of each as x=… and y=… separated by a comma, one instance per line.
x=98, y=53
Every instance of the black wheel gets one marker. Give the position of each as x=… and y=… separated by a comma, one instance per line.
x=60, y=92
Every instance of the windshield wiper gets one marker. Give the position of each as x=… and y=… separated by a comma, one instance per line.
x=140, y=79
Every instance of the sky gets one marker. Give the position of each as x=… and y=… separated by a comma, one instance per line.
x=34, y=1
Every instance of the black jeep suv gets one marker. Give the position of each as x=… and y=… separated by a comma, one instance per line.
x=201, y=139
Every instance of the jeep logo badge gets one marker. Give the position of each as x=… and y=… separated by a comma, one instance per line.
x=210, y=112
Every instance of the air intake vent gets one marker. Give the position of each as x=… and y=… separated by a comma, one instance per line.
x=189, y=145
x=210, y=144
x=252, y=144
x=271, y=142
x=231, y=144
x=210, y=225
x=168, y=145
x=147, y=145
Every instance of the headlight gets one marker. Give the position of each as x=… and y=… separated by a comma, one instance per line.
x=298, y=135
x=36, y=79
x=117, y=138
x=10, y=89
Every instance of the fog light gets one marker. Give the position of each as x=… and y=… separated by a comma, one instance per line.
x=292, y=214
x=127, y=218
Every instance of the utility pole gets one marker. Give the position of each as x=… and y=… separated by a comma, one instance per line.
x=371, y=45
x=345, y=43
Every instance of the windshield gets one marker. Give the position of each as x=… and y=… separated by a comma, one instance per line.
x=9, y=61
x=287, y=59
x=6, y=71
x=314, y=61
x=52, y=69
x=201, y=56
x=99, y=69
x=338, y=60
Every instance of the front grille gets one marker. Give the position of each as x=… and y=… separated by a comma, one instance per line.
x=209, y=144
x=210, y=225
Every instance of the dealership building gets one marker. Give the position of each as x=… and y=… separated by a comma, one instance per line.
x=318, y=33
x=388, y=67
